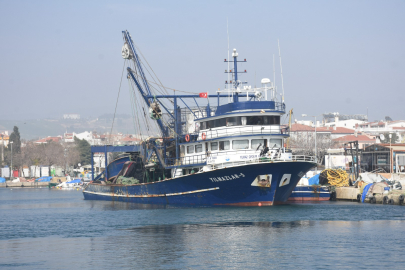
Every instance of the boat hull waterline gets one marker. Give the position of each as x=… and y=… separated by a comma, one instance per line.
x=233, y=186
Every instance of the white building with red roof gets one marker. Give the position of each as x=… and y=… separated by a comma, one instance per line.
x=49, y=139
x=363, y=140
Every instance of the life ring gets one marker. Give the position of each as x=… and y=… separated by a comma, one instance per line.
x=187, y=138
x=203, y=136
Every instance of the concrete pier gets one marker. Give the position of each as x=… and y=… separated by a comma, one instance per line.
x=24, y=184
x=347, y=193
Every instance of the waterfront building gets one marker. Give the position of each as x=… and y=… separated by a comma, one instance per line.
x=388, y=158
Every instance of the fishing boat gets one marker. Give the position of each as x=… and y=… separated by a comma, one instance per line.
x=308, y=189
x=232, y=153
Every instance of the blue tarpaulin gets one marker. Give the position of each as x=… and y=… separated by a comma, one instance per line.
x=314, y=180
x=44, y=179
x=74, y=181
x=365, y=190
x=2, y=180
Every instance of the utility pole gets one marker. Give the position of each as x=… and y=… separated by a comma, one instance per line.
x=11, y=169
x=2, y=150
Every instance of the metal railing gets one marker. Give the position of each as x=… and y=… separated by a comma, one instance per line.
x=188, y=160
x=260, y=160
x=201, y=160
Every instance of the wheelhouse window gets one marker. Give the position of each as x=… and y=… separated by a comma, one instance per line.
x=220, y=122
x=233, y=121
x=214, y=146
x=203, y=125
x=198, y=148
x=241, y=121
x=190, y=149
x=224, y=145
x=263, y=120
x=240, y=144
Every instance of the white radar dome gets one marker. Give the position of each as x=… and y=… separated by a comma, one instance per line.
x=265, y=80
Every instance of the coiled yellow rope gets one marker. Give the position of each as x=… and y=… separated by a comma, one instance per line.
x=337, y=178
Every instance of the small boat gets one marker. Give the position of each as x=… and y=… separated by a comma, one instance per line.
x=309, y=190
x=73, y=184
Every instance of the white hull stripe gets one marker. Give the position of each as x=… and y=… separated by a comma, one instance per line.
x=311, y=192
x=151, y=195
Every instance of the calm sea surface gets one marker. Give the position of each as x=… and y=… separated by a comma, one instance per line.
x=54, y=229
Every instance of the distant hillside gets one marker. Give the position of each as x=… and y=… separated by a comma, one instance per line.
x=40, y=128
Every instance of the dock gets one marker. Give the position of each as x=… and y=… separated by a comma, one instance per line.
x=24, y=184
x=394, y=197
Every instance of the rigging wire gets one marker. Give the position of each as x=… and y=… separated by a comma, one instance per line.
x=116, y=103
x=132, y=97
x=166, y=123
x=150, y=68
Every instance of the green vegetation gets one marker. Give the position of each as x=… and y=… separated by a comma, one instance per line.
x=84, y=150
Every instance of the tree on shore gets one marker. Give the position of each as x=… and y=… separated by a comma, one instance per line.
x=303, y=143
x=394, y=138
x=15, y=138
x=84, y=149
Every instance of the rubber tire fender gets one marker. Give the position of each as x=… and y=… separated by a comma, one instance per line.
x=373, y=200
x=391, y=202
x=385, y=200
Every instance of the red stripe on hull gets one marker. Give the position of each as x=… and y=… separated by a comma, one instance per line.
x=301, y=199
x=266, y=203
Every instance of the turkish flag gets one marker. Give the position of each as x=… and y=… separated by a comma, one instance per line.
x=204, y=95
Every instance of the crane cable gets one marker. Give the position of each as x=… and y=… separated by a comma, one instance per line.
x=116, y=103
x=164, y=122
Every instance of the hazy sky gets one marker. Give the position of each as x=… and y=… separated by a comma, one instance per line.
x=61, y=57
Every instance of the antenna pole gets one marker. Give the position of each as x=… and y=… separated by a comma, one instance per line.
x=281, y=69
x=274, y=80
x=229, y=85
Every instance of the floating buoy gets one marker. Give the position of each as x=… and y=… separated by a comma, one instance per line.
x=260, y=204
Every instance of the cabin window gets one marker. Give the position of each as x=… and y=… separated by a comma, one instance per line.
x=214, y=146
x=233, y=121
x=220, y=122
x=275, y=143
x=203, y=125
x=262, y=120
x=190, y=149
x=255, y=120
x=274, y=120
x=198, y=148
x=224, y=145
x=211, y=123
x=258, y=144
x=240, y=144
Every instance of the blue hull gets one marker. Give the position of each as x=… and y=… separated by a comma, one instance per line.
x=228, y=186
x=309, y=193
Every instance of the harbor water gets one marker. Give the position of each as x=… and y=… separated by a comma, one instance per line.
x=55, y=229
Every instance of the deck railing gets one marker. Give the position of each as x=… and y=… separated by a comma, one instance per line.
x=240, y=130
x=202, y=159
